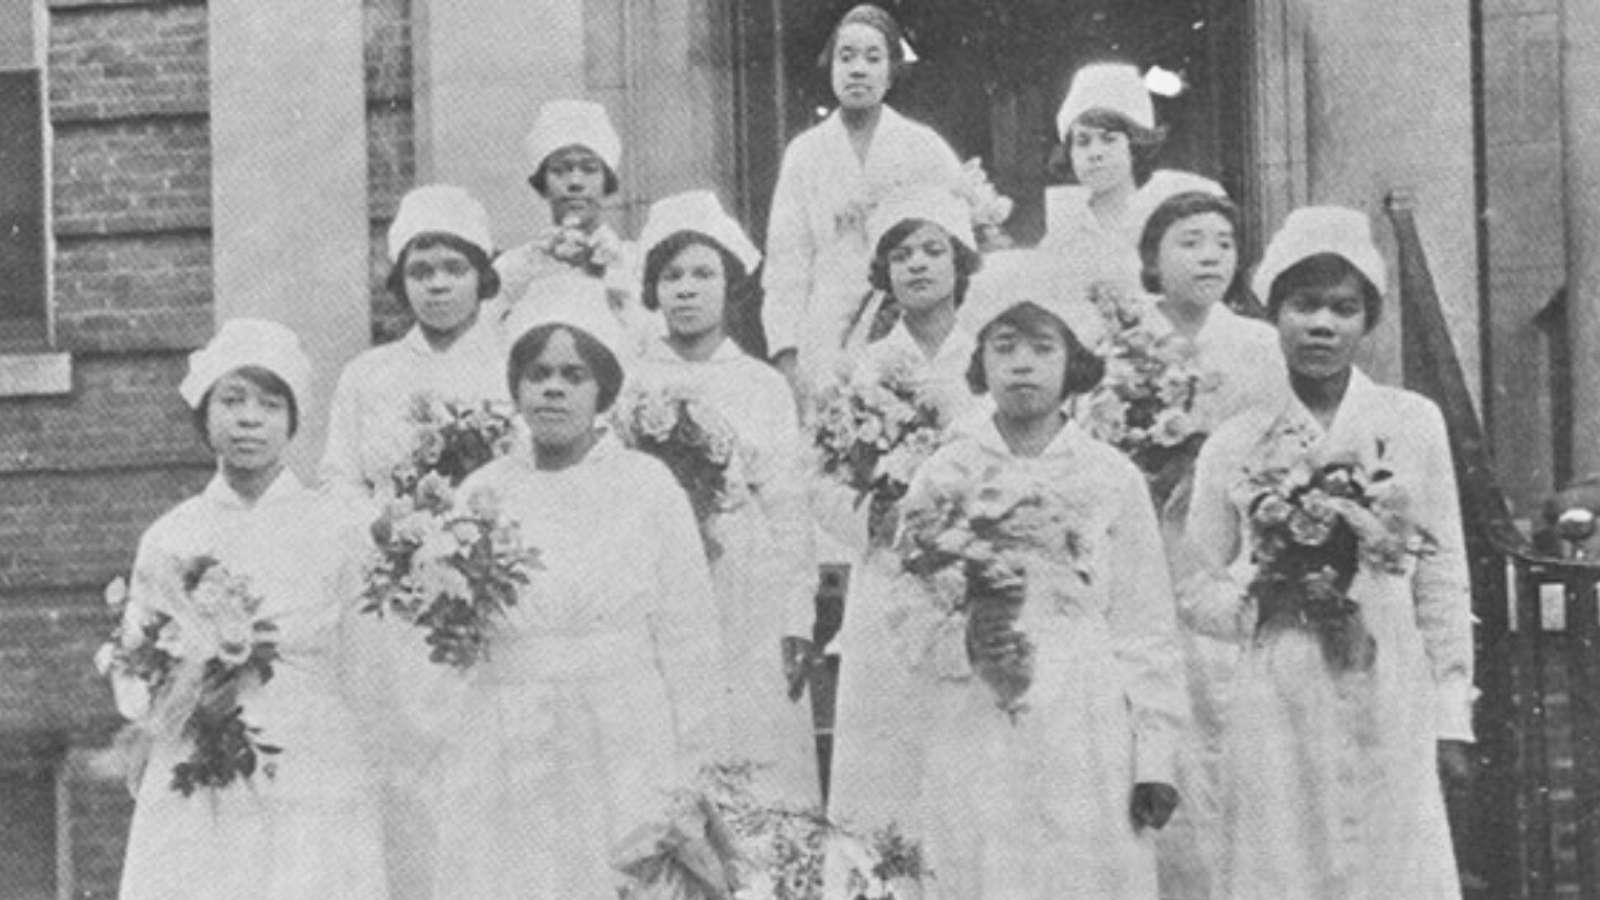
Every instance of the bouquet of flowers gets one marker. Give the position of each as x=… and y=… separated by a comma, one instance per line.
x=873, y=427
x=1312, y=526
x=676, y=425
x=447, y=570
x=591, y=252
x=193, y=647
x=452, y=439
x=973, y=548
x=720, y=841
x=1145, y=405
x=990, y=208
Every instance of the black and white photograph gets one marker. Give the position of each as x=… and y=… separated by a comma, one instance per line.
x=799, y=450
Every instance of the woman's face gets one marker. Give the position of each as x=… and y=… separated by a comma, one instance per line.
x=558, y=395
x=693, y=290
x=1196, y=259
x=246, y=426
x=1320, y=328
x=1025, y=372
x=1102, y=159
x=442, y=289
x=860, y=66
x=922, y=268
x=575, y=185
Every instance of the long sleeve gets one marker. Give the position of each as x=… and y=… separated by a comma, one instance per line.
x=1211, y=596
x=132, y=695
x=366, y=674
x=1144, y=632
x=684, y=626
x=784, y=499
x=340, y=469
x=791, y=252
x=1441, y=587
x=925, y=633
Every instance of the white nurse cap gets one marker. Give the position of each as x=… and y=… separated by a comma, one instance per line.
x=931, y=203
x=697, y=211
x=1114, y=86
x=248, y=342
x=564, y=123
x=1313, y=230
x=440, y=208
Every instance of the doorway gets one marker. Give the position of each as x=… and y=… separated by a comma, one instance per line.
x=991, y=73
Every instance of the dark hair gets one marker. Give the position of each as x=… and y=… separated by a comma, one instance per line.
x=528, y=348
x=1143, y=144
x=1084, y=369
x=488, y=278
x=1173, y=210
x=873, y=17
x=539, y=180
x=968, y=260
x=264, y=379
x=665, y=251
x=1324, y=270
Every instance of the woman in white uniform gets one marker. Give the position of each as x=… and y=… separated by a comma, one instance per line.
x=439, y=250
x=1057, y=799
x=1108, y=128
x=1190, y=254
x=696, y=261
x=572, y=155
x=923, y=262
x=832, y=177
x=1331, y=780
x=305, y=825
x=602, y=694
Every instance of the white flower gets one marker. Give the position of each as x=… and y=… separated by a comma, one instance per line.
x=105, y=658
x=116, y=593
x=656, y=417
x=435, y=578
x=175, y=641
x=1172, y=427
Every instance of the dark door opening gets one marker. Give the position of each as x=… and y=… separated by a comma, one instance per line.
x=991, y=73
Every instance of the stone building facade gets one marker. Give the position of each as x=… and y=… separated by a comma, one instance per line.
x=199, y=160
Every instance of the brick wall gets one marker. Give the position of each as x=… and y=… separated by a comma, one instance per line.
x=391, y=147
x=84, y=474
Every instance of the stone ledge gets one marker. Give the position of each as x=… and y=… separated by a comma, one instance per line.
x=35, y=374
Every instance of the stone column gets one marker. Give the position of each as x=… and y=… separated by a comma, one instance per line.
x=482, y=71
x=1389, y=105
x=289, y=181
x=1580, y=86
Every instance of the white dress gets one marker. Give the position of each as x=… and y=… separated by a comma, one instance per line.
x=368, y=434
x=601, y=693
x=1040, y=808
x=311, y=831
x=817, y=254
x=765, y=577
x=1246, y=354
x=880, y=719
x=1331, y=789
x=367, y=428
x=1076, y=236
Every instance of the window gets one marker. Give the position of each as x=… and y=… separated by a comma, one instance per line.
x=23, y=273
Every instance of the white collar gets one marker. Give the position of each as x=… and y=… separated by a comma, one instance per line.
x=987, y=434
x=416, y=342
x=660, y=351
x=284, y=489
x=1359, y=396
x=959, y=340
